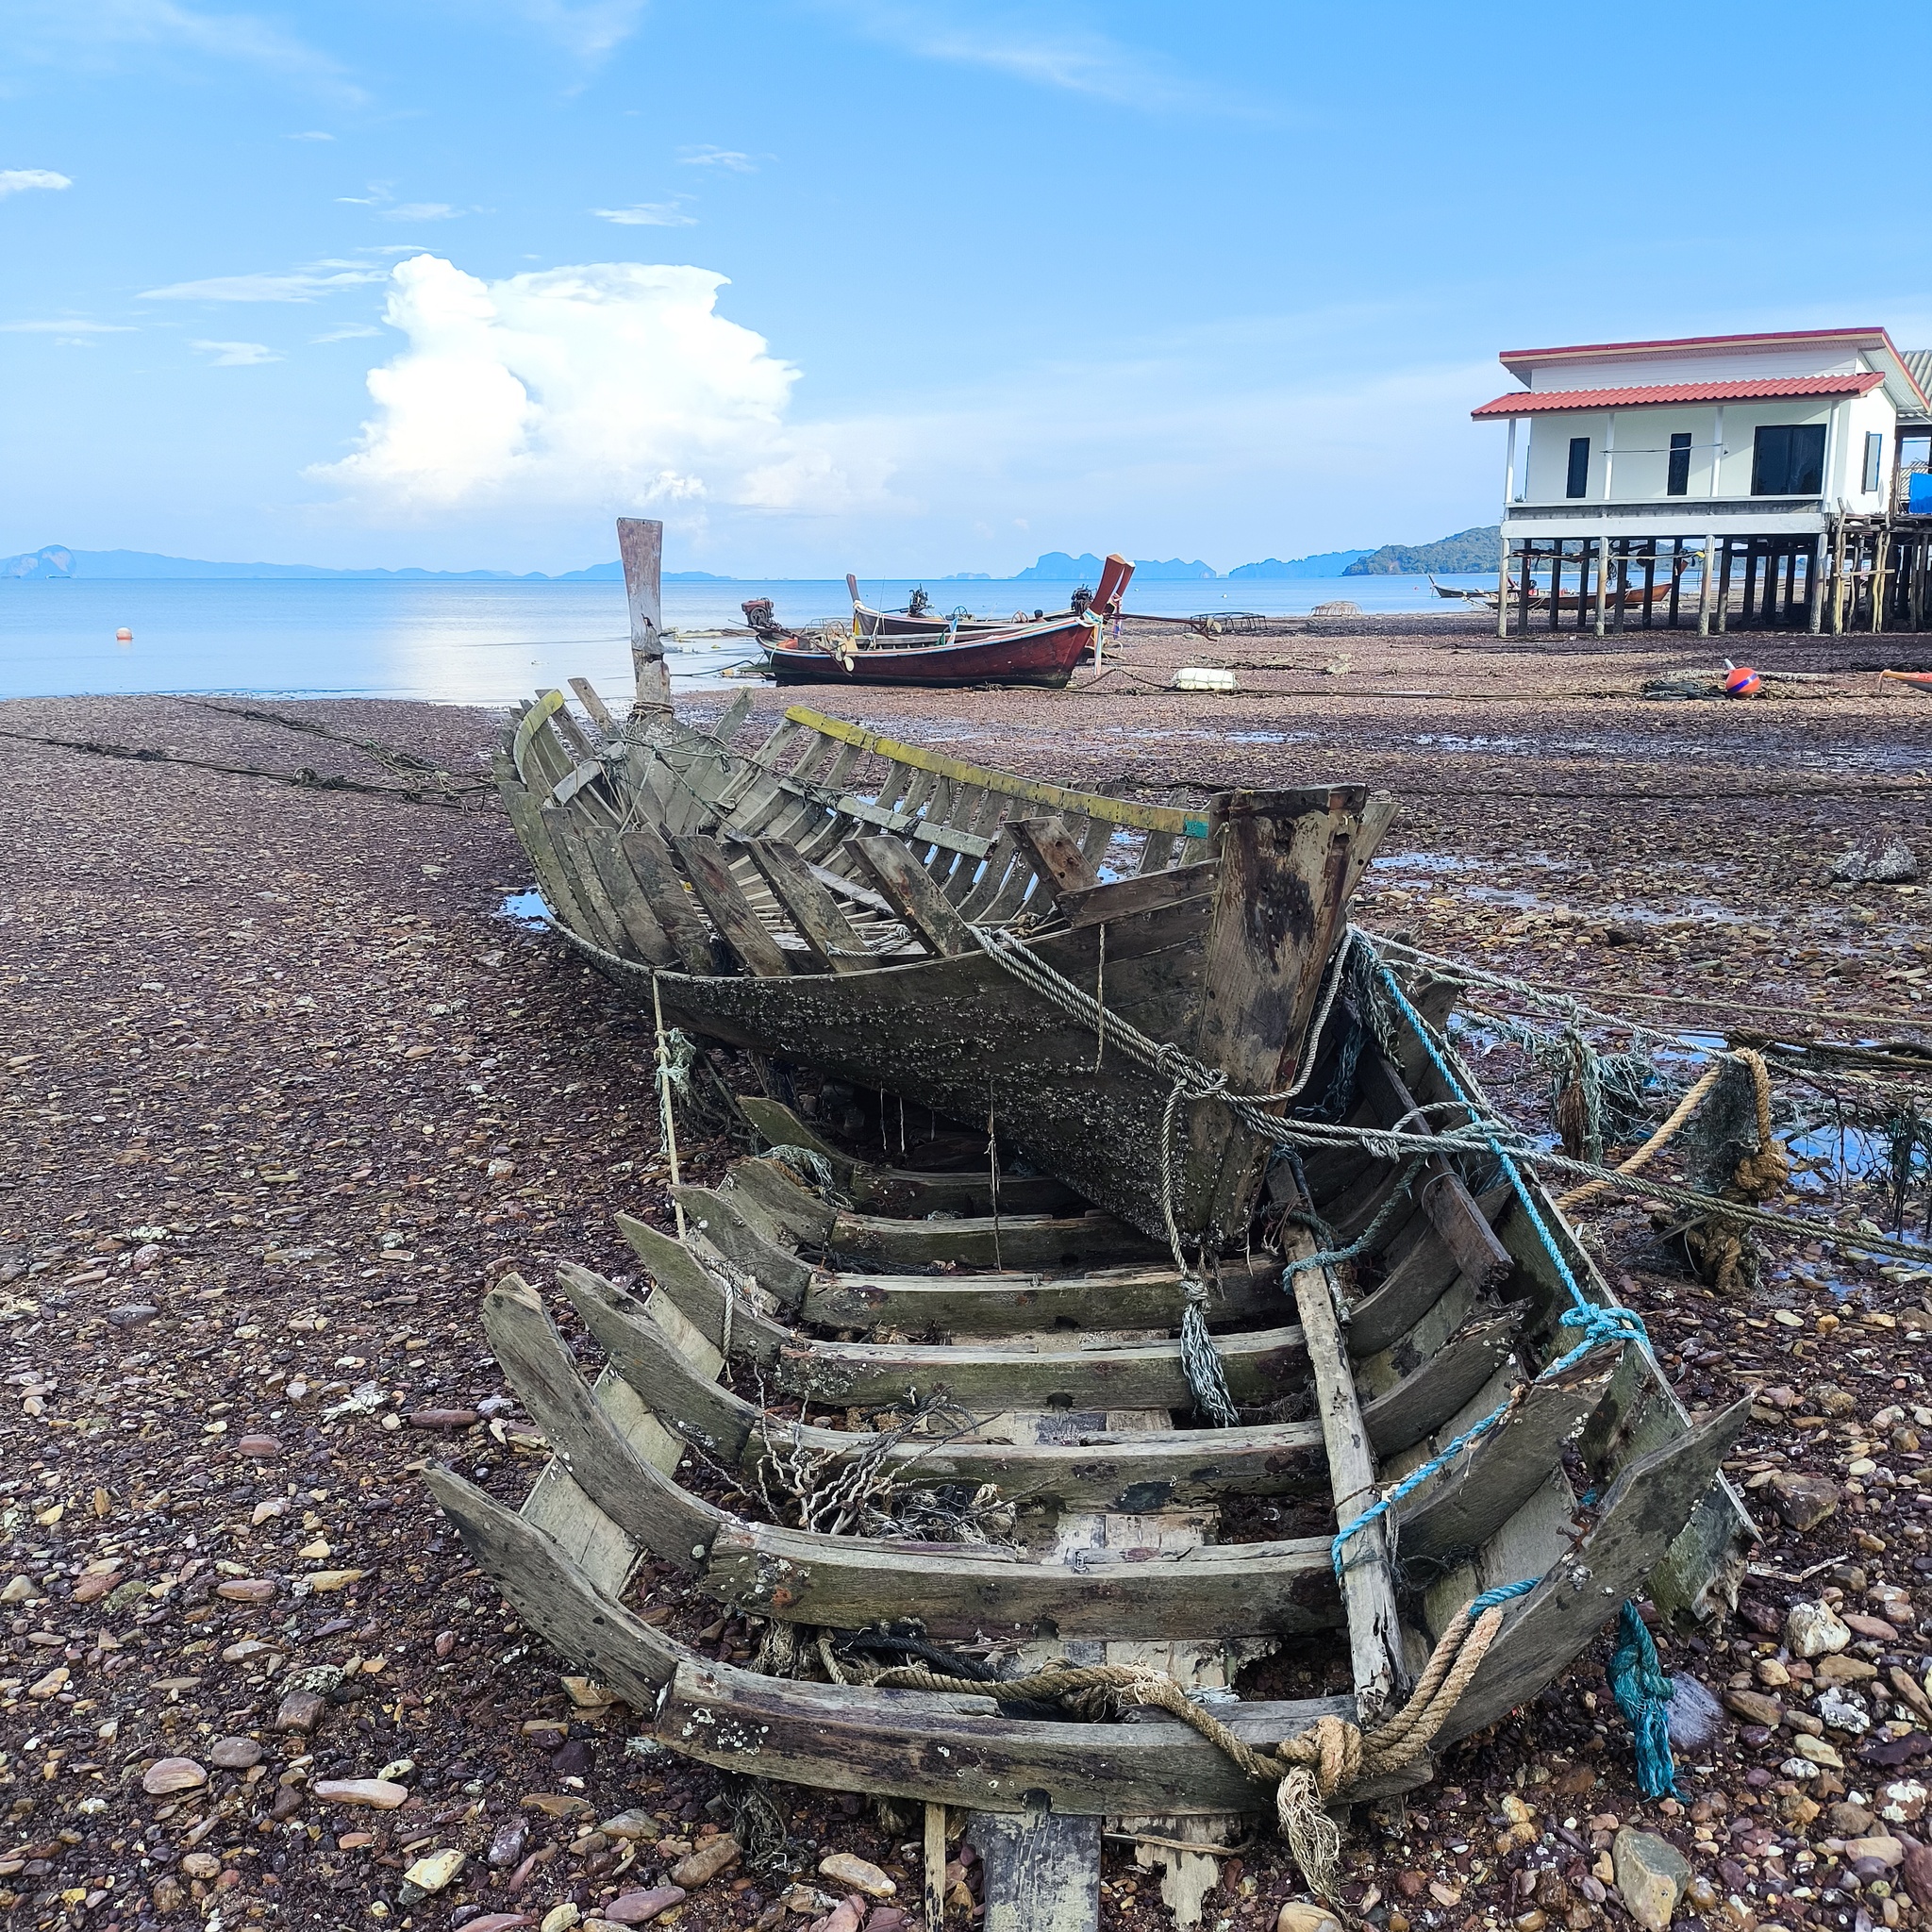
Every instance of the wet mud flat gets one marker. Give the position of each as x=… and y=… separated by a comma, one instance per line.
x=284, y=1091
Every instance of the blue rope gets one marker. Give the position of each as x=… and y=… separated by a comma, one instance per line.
x=1642, y=1691
x=1637, y=1679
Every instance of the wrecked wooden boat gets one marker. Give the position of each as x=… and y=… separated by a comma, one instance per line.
x=843, y=900
x=849, y=1404
x=1012, y=1475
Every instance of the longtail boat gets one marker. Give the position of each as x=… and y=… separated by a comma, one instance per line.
x=918, y=620
x=1046, y=654
x=983, y=1461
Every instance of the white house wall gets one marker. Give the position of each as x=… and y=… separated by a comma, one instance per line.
x=1640, y=468
x=1727, y=365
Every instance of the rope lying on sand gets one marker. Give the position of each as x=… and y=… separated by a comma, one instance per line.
x=1309, y=1771
x=448, y=795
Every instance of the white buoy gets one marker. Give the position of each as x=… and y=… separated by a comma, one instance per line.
x=124, y=636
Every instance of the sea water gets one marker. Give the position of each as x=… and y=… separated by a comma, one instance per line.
x=491, y=643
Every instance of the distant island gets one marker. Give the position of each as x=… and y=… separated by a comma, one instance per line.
x=1469, y=550
x=1328, y=563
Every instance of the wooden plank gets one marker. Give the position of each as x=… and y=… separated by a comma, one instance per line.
x=599, y=711
x=1121, y=898
x=778, y=1126
x=566, y=840
x=1016, y=1240
x=1011, y=1304
x=640, y=925
x=558, y=887
x=1368, y=1576
x=528, y=725
x=1043, y=1871
x=1642, y=1513
x=786, y=1200
x=746, y=1237
x=1412, y=1287
x=1087, y=1466
x=704, y=865
x=632, y=1490
x=1459, y=1509
x=1119, y=811
x=913, y=895
x=640, y=548
x=1440, y=1384
x=656, y=872
x=602, y=1550
x=812, y=910
x=1056, y=854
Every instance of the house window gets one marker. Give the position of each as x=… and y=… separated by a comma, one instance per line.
x=1788, y=460
x=1578, y=481
x=1875, y=454
x=1678, y=482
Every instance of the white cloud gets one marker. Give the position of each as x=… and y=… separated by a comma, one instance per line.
x=611, y=384
x=18, y=180
x=66, y=329
x=309, y=134
x=296, y=285
x=1020, y=43
x=237, y=355
x=587, y=29
x=423, y=211
x=648, y=214
x=353, y=331
x=729, y=159
x=92, y=33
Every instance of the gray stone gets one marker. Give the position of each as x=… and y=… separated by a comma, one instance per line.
x=1651, y=1877
x=1812, y=1629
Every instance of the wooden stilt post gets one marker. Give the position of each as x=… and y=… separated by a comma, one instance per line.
x=1879, y=550
x=1503, y=587
x=1814, y=586
x=1526, y=562
x=1706, y=584
x=1603, y=576
x=1623, y=549
x=1723, y=589
x=641, y=543
x=1837, y=576
x=1558, y=548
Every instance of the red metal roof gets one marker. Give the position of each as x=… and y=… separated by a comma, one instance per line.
x=1539, y=402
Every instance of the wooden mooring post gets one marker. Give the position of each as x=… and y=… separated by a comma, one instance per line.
x=640, y=545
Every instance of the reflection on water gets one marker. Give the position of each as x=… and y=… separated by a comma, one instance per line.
x=524, y=909
x=481, y=644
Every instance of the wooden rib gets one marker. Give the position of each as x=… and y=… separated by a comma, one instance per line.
x=706, y=866
x=913, y=895
x=1642, y=1513
x=745, y=1236
x=621, y=886
x=558, y=887
x=1368, y=1576
x=566, y=840
x=651, y=864
x=811, y=908
x=641, y=1498
x=1156, y=852
x=1055, y=853
x=599, y=711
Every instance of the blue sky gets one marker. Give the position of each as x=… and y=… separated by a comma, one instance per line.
x=893, y=285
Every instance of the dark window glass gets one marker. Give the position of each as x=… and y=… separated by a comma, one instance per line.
x=1875, y=456
x=1678, y=482
x=1579, y=483
x=1788, y=460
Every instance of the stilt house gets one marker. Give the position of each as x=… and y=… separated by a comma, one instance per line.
x=1775, y=480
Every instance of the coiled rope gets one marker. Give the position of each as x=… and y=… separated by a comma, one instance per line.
x=1307, y=1772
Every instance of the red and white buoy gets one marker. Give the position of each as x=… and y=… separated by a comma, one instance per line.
x=124, y=636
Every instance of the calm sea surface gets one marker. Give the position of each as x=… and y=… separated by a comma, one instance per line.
x=490, y=643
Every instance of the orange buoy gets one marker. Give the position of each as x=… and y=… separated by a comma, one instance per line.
x=124, y=636
x=1741, y=681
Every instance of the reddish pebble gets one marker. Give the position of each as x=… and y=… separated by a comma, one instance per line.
x=443, y=1418
x=640, y=1907
x=246, y=1590
x=92, y=1588
x=259, y=1445
x=445, y=1642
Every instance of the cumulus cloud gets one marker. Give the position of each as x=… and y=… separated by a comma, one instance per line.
x=19, y=180
x=611, y=384
x=237, y=355
x=648, y=214
x=296, y=285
